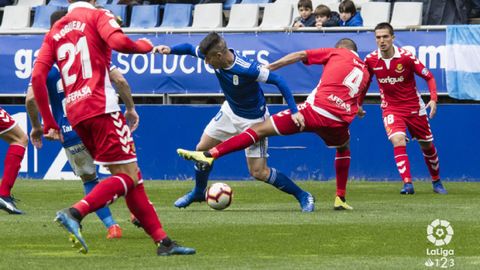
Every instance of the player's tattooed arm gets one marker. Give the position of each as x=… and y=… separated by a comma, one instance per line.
x=32, y=110
x=125, y=94
x=287, y=60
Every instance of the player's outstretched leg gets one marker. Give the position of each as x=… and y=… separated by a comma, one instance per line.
x=141, y=207
x=104, y=214
x=7, y=203
x=342, y=166
x=198, y=192
x=72, y=225
x=202, y=161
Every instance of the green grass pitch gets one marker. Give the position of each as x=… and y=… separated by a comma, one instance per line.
x=262, y=229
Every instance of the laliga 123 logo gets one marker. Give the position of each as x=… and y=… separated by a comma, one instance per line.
x=439, y=232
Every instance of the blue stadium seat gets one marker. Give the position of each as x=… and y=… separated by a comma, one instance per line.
x=118, y=10
x=255, y=1
x=229, y=3
x=58, y=3
x=103, y=2
x=177, y=15
x=42, y=16
x=146, y=16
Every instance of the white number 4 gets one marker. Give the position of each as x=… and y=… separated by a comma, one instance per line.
x=72, y=51
x=353, y=81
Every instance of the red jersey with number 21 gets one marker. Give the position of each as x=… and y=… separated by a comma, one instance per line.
x=344, y=78
x=77, y=42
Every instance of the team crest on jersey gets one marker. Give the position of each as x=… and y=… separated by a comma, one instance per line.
x=399, y=68
x=235, y=79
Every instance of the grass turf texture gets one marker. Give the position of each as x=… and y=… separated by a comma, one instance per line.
x=262, y=229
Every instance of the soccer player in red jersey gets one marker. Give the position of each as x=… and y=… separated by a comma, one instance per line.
x=11, y=133
x=328, y=111
x=81, y=43
x=402, y=105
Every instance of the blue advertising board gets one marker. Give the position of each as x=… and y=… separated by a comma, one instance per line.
x=302, y=156
x=158, y=74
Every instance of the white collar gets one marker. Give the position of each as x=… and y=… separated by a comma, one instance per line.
x=80, y=4
x=354, y=52
x=395, y=55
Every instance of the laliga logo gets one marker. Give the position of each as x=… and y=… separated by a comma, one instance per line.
x=439, y=232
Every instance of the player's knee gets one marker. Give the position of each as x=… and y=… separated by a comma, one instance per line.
x=398, y=141
x=260, y=174
x=88, y=177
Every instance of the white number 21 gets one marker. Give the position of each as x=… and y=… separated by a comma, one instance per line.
x=72, y=51
x=353, y=81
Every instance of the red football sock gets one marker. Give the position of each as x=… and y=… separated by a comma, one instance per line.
x=106, y=192
x=239, y=142
x=403, y=165
x=342, y=165
x=431, y=159
x=141, y=207
x=13, y=158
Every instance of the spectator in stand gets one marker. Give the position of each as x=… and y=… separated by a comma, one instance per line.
x=324, y=17
x=306, y=18
x=475, y=11
x=349, y=15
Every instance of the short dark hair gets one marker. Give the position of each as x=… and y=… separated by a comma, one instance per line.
x=212, y=42
x=305, y=4
x=384, y=25
x=323, y=11
x=347, y=43
x=347, y=6
x=57, y=15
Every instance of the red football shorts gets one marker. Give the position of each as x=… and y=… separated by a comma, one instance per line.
x=108, y=139
x=418, y=125
x=334, y=133
x=6, y=121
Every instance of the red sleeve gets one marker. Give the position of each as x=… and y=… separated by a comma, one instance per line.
x=106, y=24
x=39, y=84
x=423, y=72
x=318, y=56
x=119, y=42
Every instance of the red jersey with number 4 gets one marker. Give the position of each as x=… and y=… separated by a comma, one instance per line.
x=396, y=80
x=77, y=42
x=344, y=78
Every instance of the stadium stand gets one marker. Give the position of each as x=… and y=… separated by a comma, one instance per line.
x=207, y=16
x=359, y=3
x=103, y=2
x=255, y=2
x=31, y=3
x=229, y=3
x=177, y=15
x=59, y=3
x=145, y=16
x=118, y=10
x=277, y=15
x=374, y=13
x=15, y=17
x=238, y=18
x=407, y=14
x=42, y=16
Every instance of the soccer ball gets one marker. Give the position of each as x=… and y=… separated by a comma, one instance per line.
x=219, y=196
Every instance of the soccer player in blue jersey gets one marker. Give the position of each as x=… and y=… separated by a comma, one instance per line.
x=245, y=105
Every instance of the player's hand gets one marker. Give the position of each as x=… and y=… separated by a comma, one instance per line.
x=132, y=118
x=299, y=120
x=54, y=135
x=36, y=137
x=361, y=112
x=433, y=108
x=162, y=49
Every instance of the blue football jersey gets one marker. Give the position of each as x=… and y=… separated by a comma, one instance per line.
x=240, y=85
x=57, y=96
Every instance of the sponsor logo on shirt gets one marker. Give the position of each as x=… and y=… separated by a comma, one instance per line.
x=78, y=95
x=425, y=71
x=399, y=68
x=339, y=102
x=391, y=80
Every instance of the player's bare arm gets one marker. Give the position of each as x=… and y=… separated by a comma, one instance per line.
x=287, y=60
x=125, y=94
x=37, y=131
x=162, y=49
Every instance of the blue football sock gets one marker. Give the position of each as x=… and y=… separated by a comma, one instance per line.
x=283, y=183
x=104, y=213
x=201, y=179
